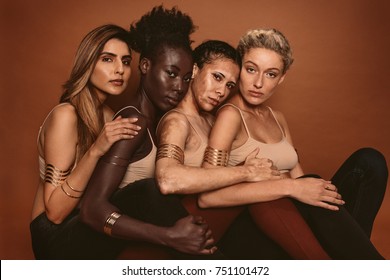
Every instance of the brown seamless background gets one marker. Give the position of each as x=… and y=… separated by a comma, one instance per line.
x=335, y=97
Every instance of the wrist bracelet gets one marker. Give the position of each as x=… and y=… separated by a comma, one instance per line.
x=109, y=224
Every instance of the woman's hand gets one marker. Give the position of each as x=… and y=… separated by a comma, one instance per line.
x=191, y=235
x=260, y=168
x=317, y=192
x=118, y=129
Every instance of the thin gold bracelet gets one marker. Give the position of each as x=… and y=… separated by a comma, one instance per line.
x=73, y=189
x=68, y=194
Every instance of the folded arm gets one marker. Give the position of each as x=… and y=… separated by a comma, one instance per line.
x=173, y=176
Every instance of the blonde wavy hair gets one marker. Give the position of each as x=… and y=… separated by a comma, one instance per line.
x=270, y=39
x=77, y=90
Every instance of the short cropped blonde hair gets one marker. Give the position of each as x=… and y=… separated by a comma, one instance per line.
x=270, y=39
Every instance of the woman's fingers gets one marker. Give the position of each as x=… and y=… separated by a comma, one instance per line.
x=123, y=128
x=328, y=206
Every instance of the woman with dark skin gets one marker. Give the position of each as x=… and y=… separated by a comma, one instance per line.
x=162, y=38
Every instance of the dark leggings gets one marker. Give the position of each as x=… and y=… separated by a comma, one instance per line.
x=278, y=220
x=71, y=240
x=74, y=240
x=344, y=234
x=142, y=200
x=361, y=181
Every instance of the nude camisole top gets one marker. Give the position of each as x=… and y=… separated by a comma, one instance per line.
x=195, y=158
x=143, y=168
x=281, y=153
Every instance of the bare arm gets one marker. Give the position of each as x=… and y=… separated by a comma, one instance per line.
x=175, y=177
x=190, y=234
x=106, y=178
x=309, y=190
x=59, y=148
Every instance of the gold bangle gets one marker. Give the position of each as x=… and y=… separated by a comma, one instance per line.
x=67, y=182
x=170, y=151
x=115, y=160
x=68, y=194
x=216, y=157
x=109, y=224
x=55, y=176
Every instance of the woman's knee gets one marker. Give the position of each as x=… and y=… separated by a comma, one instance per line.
x=373, y=159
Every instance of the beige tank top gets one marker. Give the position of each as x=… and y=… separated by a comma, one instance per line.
x=282, y=153
x=143, y=168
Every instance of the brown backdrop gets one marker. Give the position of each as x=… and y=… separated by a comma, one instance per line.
x=336, y=96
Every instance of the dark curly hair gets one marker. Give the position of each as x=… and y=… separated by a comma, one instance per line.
x=161, y=27
x=210, y=50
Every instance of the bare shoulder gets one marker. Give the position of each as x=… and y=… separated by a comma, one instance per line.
x=131, y=112
x=279, y=116
x=228, y=113
x=63, y=115
x=176, y=118
x=60, y=133
x=173, y=122
x=108, y=112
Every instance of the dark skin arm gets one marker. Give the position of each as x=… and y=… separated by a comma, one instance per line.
x=189, y=235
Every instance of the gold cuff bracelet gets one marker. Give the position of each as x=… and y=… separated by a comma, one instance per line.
x=170, y=151
x=111, y=220
x=216, y=157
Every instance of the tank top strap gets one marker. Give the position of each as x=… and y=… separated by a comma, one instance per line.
x=280, y=127
x=242, y=116
x=124, y=108
x=47, y=116
x=135, y=108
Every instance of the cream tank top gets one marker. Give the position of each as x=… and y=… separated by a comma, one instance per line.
x=143, y=168
x=281, y=153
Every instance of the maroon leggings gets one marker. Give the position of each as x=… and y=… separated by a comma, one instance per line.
x=279, y=219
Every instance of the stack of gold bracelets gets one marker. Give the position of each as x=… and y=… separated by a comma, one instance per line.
x=57, y=177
